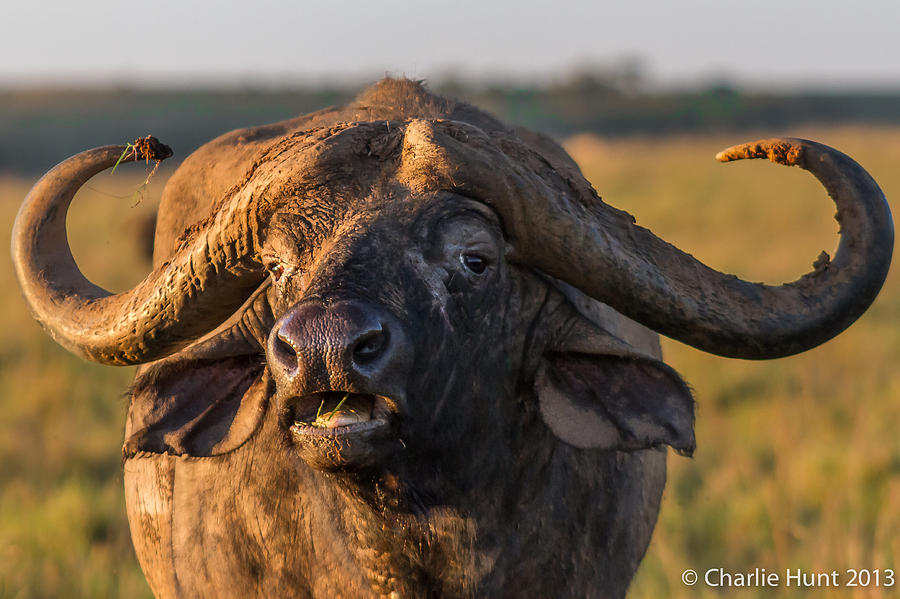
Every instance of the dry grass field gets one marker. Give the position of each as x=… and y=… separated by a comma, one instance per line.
x=63, y=531
x=798, y=460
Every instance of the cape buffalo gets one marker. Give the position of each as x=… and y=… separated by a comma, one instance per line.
x=376, y=361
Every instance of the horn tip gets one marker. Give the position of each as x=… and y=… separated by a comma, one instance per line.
x=782, y=151
x=727, y=155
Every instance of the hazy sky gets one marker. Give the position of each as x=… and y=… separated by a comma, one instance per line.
x=768, y=42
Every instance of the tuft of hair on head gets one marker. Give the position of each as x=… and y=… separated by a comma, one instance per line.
x=403, y=98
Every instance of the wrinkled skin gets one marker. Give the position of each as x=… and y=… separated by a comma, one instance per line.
x=376, y=362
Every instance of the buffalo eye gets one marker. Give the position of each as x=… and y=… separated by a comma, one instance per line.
x=276, y=269
x=474, y=263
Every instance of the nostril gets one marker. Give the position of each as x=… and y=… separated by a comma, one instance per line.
x=285, y=353
x=370, y=346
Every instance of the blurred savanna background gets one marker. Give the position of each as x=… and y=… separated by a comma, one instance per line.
x=798, y=460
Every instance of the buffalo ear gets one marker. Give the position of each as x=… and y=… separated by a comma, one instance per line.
x=196, y=407
x=621, y=401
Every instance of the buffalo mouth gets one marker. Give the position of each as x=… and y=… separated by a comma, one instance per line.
x=340, y=413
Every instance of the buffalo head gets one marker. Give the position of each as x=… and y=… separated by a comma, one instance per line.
x=377, y=361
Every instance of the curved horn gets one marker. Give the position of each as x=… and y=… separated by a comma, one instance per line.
x=557, y=223
x=203, y=283
x=673, y=293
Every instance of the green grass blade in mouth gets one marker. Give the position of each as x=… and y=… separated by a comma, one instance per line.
x=336, y=408
x=319, y=411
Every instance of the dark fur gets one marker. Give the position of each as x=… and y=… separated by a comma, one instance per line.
x=471, y=495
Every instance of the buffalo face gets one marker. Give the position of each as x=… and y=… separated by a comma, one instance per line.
x=377, y=326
